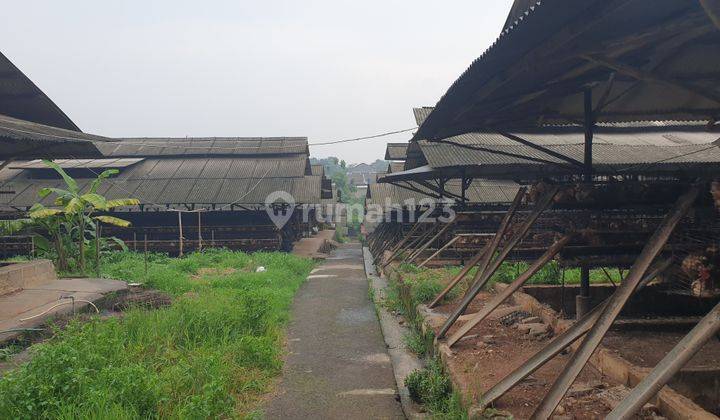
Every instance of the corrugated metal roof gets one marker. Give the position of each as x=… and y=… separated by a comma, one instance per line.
x=480, y=191
x=396, y=151
x=20, y=98
x=664, y=54
x=396, y=167
x=188, y=180
x=318, y=170
x=28, y=140
x=78, y=163
x=609, y=148
x=206, y=146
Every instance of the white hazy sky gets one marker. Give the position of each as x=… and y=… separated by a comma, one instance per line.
x=325, y=69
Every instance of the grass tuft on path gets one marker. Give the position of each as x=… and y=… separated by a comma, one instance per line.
x=212, y=354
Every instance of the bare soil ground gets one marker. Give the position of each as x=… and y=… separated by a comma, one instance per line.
x=634, y=345
x=495, y=350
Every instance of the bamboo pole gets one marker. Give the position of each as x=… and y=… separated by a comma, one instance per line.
x=615, y=305
x=510, y=289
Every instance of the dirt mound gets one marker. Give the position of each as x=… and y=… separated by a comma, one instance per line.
x=209, y=271
x=148, y=299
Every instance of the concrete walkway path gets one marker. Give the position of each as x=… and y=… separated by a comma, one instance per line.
x=337, y=366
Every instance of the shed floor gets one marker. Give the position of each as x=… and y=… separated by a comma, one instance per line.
x=33, y=301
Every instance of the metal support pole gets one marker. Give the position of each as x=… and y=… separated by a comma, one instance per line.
x=509, y=290
x=476, y=259
x=481, y=280
x=557, y=345
x=589, y=123
x=668, y=366
x=436, y=253
x=615, y=305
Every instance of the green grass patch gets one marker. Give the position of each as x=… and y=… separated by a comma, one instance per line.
x=433, y=388
x=212, y=354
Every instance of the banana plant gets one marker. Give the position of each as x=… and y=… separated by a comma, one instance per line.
x=78, y=206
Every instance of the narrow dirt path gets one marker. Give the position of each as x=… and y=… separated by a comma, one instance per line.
x=337, y=366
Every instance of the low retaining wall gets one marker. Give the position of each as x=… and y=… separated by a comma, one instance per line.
x=15, y=277
x=672, y=404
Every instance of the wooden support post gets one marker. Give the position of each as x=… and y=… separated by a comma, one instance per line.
x=400, y=244
x=476, y=259
x=582, y=300
x=180, y=238
x=146, y=257
x=97, y=248
x=436, y=253
x=428, y=243
x=199, y=230
x=481, y=280
x=412, y=247
x=134, y=240
x=212, y=238
x=509, y=290
x=557, y=345
x=668, y=366
x=615, y=305
x=589, y=123
x=712, y=9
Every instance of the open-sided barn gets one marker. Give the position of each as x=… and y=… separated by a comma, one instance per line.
x=217, y=188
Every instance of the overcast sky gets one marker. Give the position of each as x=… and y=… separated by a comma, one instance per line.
x=325, y=69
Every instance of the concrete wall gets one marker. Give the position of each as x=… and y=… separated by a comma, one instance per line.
x=15, y=277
